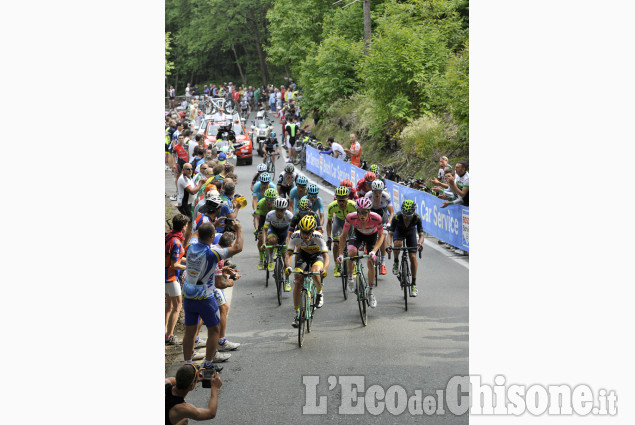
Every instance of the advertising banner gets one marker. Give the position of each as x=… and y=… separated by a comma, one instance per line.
x=450, y=224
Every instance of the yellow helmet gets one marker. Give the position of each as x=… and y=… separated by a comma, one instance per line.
x=307, y=223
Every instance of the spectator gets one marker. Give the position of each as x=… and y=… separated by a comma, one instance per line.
x=225, y=277
x=185, y=196
x=177, y=411
x=440, y=179
x=174, y=250
x=172, y=95
x=355, y=151
x=188, y=93
x=335, y=149
x=219, y=116
x=460, y=185
x=291, y=130
x=198, y=289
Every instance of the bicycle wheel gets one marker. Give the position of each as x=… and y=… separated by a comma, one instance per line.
x=405, y=283
x=266, y=263
x=361, y=298
x=302, y=318
x=344, y=276
x=311, y=303
x=277, y=273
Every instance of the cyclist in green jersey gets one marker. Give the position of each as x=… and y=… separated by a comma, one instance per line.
x=338, y=208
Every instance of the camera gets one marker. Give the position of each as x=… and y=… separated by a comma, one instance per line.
x=229, y=225
x=208, y=374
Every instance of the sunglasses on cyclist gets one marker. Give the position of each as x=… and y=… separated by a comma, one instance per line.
x=363, y=212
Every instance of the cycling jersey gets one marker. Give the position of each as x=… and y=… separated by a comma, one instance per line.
x=316, y=204
x=361, y=191
x=201, y=266
x=381, y=205
x=270, y=144
x=397, y=224
x=462, y=182
x=315, y=245
x=259, y=194
x=278, y=222
x=263, y=209
x=334, y=209
x=373, y=224
x=287, y=180
x=295, y=197
x=297, y=217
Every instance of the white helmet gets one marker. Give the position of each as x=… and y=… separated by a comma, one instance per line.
x=280, y=203
x=377, y=185
x=260, y=114
x=261, y=167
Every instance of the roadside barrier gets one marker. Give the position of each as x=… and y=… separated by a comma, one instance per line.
x=450, y=224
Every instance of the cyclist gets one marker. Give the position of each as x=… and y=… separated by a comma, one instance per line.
x=382, y=205
x=245, y=108
x=374, y=168
x=353, y=192
x=367, y=228
x=271, y=144
x=264, y=182
x=364, y=184
x=402, y=227
x=276, y=226
x=286, y=180
x=316, y=202
x=261, y=168
x=297, y=192
x=304, y=208
x=311, y=251
x=264, y=206
x=340, y=208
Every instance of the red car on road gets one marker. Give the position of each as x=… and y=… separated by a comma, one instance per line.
x=242, y=146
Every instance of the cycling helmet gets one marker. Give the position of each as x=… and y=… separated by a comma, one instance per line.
x=304, y=204
x=271, y=194
x=265, y=177
x=363, y=204
x=342, y=192
x=347, y=183
x=302, y=181
x=374, y=168
x=408, y=207
x=261, y=167
x=377, y=186
x=312, y=189
x=214, y=200
x=280, y=203
x=289, y=168
x=369, y=176
x=307, y=223
x=272, y=134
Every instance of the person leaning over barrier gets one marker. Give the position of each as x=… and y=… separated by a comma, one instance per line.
x=177, y=411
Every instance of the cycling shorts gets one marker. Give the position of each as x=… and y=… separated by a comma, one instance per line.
x=207, y=309
x=410, y=236
x=358, y=237
x=336, y=230
x=281, y=234
x=303, y=259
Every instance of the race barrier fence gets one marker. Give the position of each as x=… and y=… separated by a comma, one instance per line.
x=450, y=224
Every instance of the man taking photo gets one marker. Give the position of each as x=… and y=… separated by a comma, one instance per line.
x=177, y=411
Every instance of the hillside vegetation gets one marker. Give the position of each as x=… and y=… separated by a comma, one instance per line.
x=407, y=99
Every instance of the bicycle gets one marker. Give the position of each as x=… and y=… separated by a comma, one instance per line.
x=404, y=275
x=271, y=165
x=278, y=271
x=307, y=304
x=361, y=285
x=344, y=273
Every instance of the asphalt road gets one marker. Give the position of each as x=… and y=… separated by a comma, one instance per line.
x=418, y=349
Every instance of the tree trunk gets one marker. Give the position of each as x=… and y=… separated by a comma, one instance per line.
x=242, y=76
x=261, y=58
x=191, y=78
x=366, y=27
x=176, y=80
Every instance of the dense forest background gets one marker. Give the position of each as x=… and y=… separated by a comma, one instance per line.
x=407, y=97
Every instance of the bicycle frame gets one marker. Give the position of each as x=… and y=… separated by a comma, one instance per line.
x=307, y=304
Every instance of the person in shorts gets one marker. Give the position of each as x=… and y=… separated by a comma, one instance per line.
x=174, y=250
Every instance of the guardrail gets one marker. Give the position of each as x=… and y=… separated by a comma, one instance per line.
x=450, y=224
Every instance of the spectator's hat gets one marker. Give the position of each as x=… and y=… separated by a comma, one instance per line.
x=222, y=158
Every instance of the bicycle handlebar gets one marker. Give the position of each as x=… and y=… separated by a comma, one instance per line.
x=357, y=257
x=306, y=273
x=275, y=246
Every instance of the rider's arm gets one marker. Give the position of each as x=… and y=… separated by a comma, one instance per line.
x=380, y=240
x=391, y=210
x=329, y=226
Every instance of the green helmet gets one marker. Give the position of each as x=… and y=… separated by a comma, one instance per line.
x=304, y=204
x=271, y=193
x=342, y=192
x=408, y=207
x=374, y=168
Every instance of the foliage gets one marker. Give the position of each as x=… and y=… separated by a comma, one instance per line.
x=169, y=65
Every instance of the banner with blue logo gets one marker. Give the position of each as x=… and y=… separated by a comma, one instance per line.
x=450, y=224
